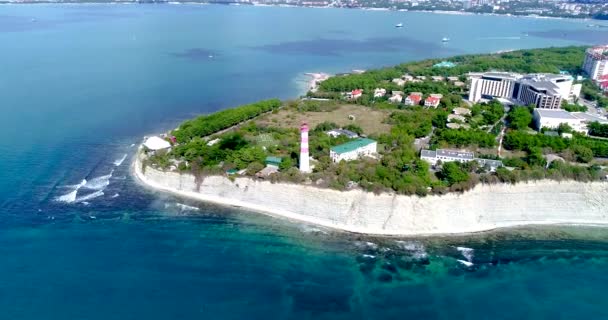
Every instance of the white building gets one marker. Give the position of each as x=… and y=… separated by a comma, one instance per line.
x=341, y=132
x=446, y=155
x=396, y=98
x=379, y=92
x=156, y=143
x=399, y=82
x=551, y=119
x=596, y=62
x=353, y=150
x=543, y=90
x=413, y=99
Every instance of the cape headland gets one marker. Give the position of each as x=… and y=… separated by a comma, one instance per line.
x=430, y=147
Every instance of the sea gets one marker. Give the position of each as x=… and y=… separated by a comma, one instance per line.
x=82, y=84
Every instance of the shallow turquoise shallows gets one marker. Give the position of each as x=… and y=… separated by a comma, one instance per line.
x=80, y=85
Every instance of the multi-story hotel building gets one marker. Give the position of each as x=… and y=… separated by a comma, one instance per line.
x=596, y=62
x=542, y=90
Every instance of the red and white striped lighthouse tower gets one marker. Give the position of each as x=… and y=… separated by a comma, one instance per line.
x=304, y=157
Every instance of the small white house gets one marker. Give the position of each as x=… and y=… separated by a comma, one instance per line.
x=156, y=143
x=399, y=82
x=379, y=92
x=353, y=150
x=396, y=98
x=342, y=132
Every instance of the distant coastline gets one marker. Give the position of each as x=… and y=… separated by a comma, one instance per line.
x=455, y=12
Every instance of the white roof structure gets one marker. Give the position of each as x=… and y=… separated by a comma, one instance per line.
x=156, y=143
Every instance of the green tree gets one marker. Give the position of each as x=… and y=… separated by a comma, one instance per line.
x=519, y=118
x=286, y=163
x=583, y=154
x=452, y=173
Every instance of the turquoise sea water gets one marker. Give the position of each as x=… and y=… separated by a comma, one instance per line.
x=80, y=84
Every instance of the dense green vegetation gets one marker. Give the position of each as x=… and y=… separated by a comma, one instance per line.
x=551, y=60
x=463, y=138
x=573, y=107
x=590, y=91
x=208, y=124
x=597, y=129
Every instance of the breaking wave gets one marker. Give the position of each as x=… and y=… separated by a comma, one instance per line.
x=99, y=183
x=416, y=248
x=186, y=207
x=465, y=263
x=467, y=253
x=89, y=196
x=71, y=196
x=118, y=162
x=366, y=245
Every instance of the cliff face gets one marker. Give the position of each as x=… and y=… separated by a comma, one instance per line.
x=483, y=208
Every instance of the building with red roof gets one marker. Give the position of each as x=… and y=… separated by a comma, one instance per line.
x=355, y=94
x=432, y=102
x=413, y=99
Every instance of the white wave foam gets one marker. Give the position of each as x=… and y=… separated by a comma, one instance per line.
x=70, y=197
x=115, y=195
x=89, y=196
x=369, y=256
x=466, y=263
x=310, y=229
x=416, y=248
x=118, y=162
x=467, y=253
x=366, y=245
x=186, y=207
x=99, y=183
x=132, y=145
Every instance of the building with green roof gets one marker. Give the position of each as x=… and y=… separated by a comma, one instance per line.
x=273, y=161
x=353, y=150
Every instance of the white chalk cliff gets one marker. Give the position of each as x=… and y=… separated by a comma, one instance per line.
x=485, y=207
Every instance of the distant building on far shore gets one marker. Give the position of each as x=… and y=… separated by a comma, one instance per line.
x=444, y=64
x=353, y=150
x=447, y=155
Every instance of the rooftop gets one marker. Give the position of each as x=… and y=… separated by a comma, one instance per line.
x=466, y=155
x=555, y=113
x=352, y=145
x=455, y=154
x=347, y=133
x=589, y=117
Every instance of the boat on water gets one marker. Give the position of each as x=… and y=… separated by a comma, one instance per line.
x=445, y=39
x=399, y=25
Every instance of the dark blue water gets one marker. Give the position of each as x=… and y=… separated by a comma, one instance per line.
x=81, y=84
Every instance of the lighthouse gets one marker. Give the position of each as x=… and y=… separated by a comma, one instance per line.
x=304, y=157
